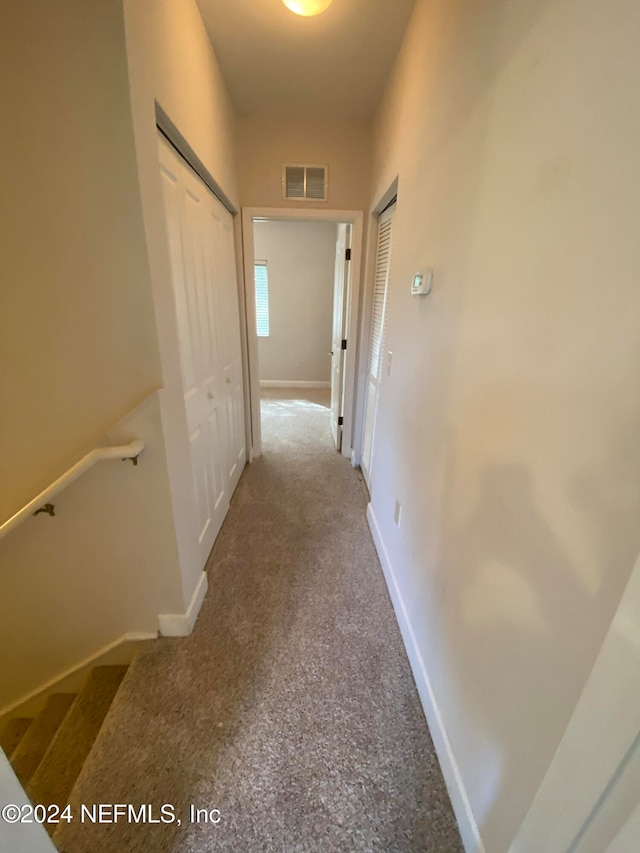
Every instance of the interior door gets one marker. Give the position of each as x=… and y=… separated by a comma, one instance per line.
x=231, y=352
x=376, y=340
x=208, y=330
x=340, y=284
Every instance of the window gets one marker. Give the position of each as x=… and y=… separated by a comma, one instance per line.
x=262, y=299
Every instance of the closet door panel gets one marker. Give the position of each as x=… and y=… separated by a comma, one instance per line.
x=201, y=247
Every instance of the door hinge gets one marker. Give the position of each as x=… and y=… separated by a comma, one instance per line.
x=340, y=421
x=344, y=343
x=347, y=254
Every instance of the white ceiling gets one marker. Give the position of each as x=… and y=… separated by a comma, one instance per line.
x=282, y=65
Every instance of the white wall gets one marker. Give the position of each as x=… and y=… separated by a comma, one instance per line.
x=508, y=428
x=301, y=264
x=72, y=243
x=84, y=246
x=98, y=570
x=19, y=837
x=78, y=349
x=265, y=144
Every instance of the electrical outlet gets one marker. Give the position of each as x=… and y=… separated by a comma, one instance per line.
x=389, y=362
x=397, y=515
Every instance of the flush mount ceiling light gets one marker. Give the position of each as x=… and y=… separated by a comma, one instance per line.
x=307, y=7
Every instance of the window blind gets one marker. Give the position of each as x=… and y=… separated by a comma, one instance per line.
x=262, y=299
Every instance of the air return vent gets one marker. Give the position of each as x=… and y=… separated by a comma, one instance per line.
x=305, y=183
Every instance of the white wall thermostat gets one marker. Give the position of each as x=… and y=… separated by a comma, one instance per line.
x=422, y=283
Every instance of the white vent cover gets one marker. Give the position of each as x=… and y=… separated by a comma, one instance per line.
x=305, y=183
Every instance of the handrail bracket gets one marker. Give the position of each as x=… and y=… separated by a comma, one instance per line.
x=42, y=502
x=48, y=508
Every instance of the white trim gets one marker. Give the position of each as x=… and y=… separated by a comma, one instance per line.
x=28, y=837
x=366, y=464
x=598, y=740
x=253, y=363
x=450, y=770
x=353, y=340
x=171, y=133
x=98, y=454
x=387, y=198
x=365, y=319
x=181, y=624
x=132, y=637
x=626, y=841
x=284, y=214
x=292, y=383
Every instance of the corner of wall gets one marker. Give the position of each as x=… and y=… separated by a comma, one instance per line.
x=182, y=624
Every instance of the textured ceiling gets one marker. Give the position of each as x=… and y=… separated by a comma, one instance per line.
x=282, y=65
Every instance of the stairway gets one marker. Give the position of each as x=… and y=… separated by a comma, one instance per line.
x=48, y=752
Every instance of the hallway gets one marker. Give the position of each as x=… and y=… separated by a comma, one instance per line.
x=291, y=708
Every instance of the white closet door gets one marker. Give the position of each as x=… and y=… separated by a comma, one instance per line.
x=376, y=341
x=203, y=288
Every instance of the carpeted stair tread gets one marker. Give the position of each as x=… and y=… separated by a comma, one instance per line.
x=57, y=772
x=12, y=734
x=35, y=743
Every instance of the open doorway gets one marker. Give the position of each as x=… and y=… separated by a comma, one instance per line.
x=302, y=277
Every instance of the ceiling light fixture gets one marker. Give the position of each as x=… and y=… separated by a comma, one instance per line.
x=307, y=7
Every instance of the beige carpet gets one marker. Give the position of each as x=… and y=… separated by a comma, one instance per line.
x=291, y=708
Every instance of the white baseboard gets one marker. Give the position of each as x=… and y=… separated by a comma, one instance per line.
x=181, y=624
x=292, y=383
x=450, y=770
x=91, y=660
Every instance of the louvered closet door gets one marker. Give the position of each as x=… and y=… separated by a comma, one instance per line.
x=203, y=289
x=376, y=342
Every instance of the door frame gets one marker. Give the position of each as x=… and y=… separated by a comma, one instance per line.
x=149, y=118
x=342, y=273
x=367, y=471
x=384, y=201
x=355, y=218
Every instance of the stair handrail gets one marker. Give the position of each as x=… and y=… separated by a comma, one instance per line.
x=43, y=500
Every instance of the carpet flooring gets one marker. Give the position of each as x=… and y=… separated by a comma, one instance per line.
x=291, y=709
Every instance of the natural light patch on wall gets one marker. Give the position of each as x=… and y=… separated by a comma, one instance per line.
x=499, y=593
